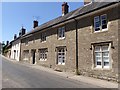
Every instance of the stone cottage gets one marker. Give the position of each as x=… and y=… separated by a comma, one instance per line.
x=84, y=41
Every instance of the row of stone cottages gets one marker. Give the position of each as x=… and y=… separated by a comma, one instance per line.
x=84, y=41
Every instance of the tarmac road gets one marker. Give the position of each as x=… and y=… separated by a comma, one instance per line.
x=17, y=75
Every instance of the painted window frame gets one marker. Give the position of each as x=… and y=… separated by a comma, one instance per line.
x=100, y=19
x=61, y=53
x=101, y=55
x=61, y=32
x=102, y=22
x=43, y=53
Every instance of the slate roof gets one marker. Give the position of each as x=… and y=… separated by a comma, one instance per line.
x=78, y=12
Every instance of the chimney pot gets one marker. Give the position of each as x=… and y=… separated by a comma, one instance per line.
x=7, y=42
x=22, y=31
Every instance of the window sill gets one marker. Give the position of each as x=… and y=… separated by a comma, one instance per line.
x=61, y=64
x=99, y=68
x=61, y=38
x=103, y=30
x=43, y=60
x=43, y=41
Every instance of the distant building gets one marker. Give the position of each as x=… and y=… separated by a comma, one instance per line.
x=15, y=49
x=7, y=51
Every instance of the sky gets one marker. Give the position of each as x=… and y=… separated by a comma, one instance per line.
x=18, y=14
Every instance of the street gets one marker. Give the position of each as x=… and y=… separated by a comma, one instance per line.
x=17, y=75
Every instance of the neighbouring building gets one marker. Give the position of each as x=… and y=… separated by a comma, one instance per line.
x=7, y=49
x=16, y=44
x=84, y=41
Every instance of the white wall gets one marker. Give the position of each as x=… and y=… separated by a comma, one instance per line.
x=15, y=50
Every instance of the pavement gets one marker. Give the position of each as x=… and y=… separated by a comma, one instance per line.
x=80, y=78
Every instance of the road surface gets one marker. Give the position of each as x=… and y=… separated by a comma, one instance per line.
x=17, y=75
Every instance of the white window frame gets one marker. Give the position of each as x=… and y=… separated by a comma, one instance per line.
x=60, y=56
x=43, y=54
x=101, y=55
x=100, y=23
x=97, y=17
x=61, y=33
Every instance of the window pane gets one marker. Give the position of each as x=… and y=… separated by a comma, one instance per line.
x=97, y=54
x=104, y=26
x=97, y=48
x=98, y=59
x=98, y=63
x=96, y=19
x=104, y=21
x=106, y=59
x=60, y=50
x=45, y=56
x=97, y=23
x=63, y=50
x=63, y=53
x=103, y=17
x=105, y=54
x=106, y=63
x=104, y=48
x=41, y=55
x=59, y=53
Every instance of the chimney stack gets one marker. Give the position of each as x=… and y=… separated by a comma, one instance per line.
x=22, y=31
x=65, y=8
x=15, y=36
x=35, y=22
x=7, y=42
